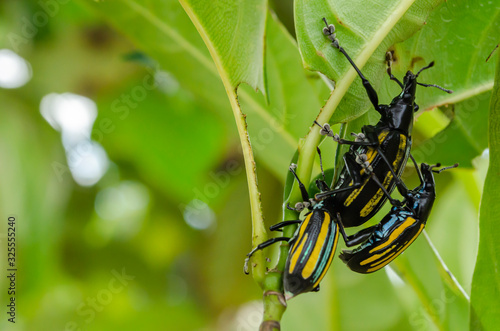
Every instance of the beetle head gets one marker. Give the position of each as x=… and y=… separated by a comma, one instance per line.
x=409, y=88
x=399, y=114
x=422, y=198
x=407, y=95
x=428, y=177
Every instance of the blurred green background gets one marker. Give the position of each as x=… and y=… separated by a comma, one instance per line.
x=132, y=210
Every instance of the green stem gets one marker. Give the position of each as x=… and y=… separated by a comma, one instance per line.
x=259, y=233
x=307, y=147
x=274, y=301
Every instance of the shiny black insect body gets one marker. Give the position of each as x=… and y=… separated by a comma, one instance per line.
x=385, y=148
x=386, y=240
x=373, y=166
x=313, y=244
x=312, y=247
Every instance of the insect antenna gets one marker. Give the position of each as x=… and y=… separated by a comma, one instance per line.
x=430, y=65
x=434, y=85
x=442, y=169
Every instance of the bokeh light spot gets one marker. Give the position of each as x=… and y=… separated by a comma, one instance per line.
x=14, y=70
x=199, y=215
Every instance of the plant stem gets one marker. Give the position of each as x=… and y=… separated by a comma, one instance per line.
x=259, y=233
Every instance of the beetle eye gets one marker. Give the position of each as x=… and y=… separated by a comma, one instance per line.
x=416, y=108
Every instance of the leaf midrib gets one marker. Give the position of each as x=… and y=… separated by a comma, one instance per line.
x=343, y=84
x=463, y=94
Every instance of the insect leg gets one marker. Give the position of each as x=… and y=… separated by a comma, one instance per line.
x=261, y=246
x=356, y=238
x=321, y=163
x=372, y=135
x=280, y=225
x=399, y=183
x=327, y=131
x=419, y=173
x=303, y=191
x=356, y=176
x=393, y=202
x=321, y=184
x=353, y=168
x=329, y=31
x=388, y=59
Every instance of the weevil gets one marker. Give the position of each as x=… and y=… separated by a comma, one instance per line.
x=386, y=147
x=383, y=242
x=313, y=244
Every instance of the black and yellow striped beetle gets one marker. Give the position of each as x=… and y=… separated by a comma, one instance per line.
x=381, y=151
x=386, y=240
x=385, y=147
x=313, y=244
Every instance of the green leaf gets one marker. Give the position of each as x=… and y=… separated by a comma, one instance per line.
x=275, y=127
x=366, y=33
x=164, y=32
x=460, y=66
x=446, y=308
x=235, y=30
x=367, y=36
x=458, y=49
x=42, y=193
x=374, y=295
x=463, y=139
x=485, y=305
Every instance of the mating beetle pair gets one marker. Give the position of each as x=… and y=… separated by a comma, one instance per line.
x=386, y=146
x=373, y=167
x=314, y=243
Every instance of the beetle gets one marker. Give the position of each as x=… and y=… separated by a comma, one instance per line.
x=385, y=147
x=386, y=240
x=313, y=244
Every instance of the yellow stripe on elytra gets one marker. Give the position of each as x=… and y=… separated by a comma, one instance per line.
x=395, y=234
x=376, y=198
x=399, y=251
x=385, y=259
x=303, y=227
x=367, y=209
x=382, y=136
x=370, y=154
x=355, y=193
x=296, y=254
x=330, y=259
x=375, y=257
x=318, y=245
